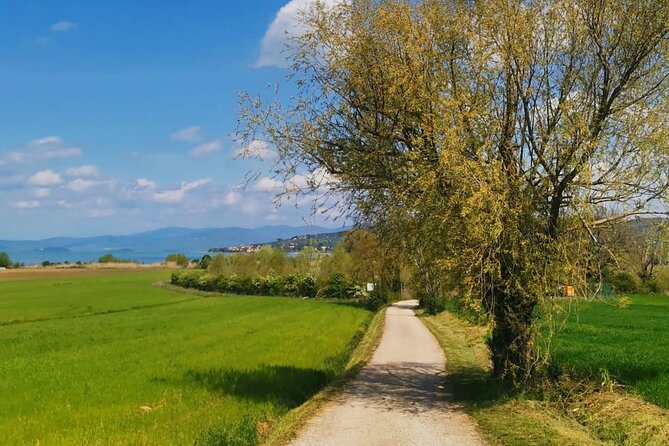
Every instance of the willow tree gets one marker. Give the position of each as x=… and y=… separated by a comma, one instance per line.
x=490, y=139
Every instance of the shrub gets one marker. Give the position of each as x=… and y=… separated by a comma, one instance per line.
x=308, y=287
x=179, y=259
x=204, y=262
x=337, y=287
x=5, y=261
x=207, y=282
x=625, y=281
x=291, y=285
x=377, y=299
x=431, y=303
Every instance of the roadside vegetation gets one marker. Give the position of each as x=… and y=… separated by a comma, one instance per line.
x=606, y=379
x=357, y=260
x=110, y=359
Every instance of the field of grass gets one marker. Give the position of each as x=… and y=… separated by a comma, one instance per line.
x=110, y=359
x=631, y=344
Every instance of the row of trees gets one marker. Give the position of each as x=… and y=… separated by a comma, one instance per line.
x=489, y=141
x=359, y=256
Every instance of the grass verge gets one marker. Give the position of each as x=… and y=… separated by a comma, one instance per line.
x=361, y=350
x=575, y=413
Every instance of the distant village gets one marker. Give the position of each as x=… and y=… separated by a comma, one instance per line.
x=321, y=242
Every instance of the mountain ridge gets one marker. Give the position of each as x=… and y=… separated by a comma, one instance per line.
x=168, y=239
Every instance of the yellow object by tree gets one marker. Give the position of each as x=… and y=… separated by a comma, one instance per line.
x=487, y=139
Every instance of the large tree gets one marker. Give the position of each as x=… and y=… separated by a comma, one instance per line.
x=485, y=137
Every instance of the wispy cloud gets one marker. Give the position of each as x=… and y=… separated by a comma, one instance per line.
x=143, y=183
x=45, y=178
x=88, y=170
x=255, y=149
x=41, y=149
x=266, y=184
x=178, y=195
x=28, y=204
x=189, y=134
x=80, y=185
x=206, y=149
x=63, y=26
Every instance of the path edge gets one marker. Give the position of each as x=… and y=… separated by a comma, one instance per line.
x=294, y=421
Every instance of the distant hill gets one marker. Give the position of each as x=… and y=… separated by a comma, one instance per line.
x=152, y=244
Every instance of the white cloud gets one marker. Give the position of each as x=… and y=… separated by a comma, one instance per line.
x=266, y=184
x=47, y=140
x=42, y=192
x=31, y=204
x=45, y=178
x=63, y=26
x=143, y=183
x=88, y=170
x=285, y=24
x=231, y=198
x=189, y=134
x=80, y=185
x=41, y=149
x=178, y=195
x=206, y=149
x=256, y=149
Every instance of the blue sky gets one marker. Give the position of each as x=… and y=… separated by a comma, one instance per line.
x=117, y=117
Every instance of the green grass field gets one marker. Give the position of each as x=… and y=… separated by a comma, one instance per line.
x=631, y=344
x=111, y=359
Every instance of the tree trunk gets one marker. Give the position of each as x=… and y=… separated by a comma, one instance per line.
x=511, y=343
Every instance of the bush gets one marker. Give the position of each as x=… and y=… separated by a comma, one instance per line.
x=337, y=287
x=207, y=282
x=625, y=282
x=377, y=299
x=308, y=287
x=179, y=259
x=204, y=262
x=5, y=261
x=431, y=304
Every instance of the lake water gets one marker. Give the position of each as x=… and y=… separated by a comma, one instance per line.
x=35, y=257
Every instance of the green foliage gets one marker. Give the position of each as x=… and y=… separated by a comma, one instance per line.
x=178, y=259
x=625, y=281
x=377, y=299
x=5, y=261
x=155, y=366
x=431, y=303
x=338, y=287
x=110, y=258
x=204, y=262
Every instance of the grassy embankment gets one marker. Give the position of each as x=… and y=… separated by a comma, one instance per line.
x=617, y=361
x=110, y=359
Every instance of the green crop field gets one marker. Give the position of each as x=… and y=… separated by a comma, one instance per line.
x=631, y=344
x=110, y=359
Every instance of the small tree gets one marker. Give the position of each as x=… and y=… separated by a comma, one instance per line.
x=179, y=259
x=5, y=261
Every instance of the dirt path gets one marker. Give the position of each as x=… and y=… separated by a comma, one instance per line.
x=397, y=399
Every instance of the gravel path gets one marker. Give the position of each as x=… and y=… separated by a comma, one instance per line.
x=397, y=399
